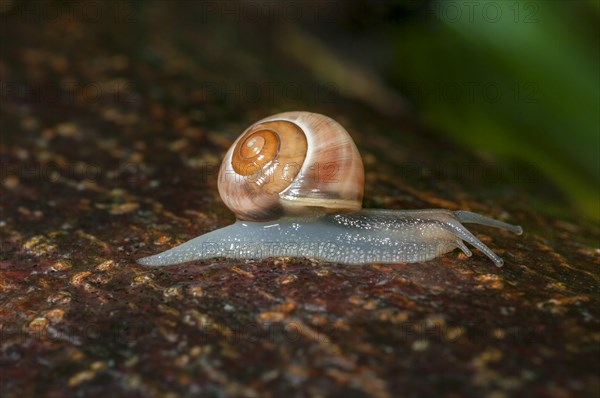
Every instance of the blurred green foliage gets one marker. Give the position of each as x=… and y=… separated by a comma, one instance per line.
x=514, y=78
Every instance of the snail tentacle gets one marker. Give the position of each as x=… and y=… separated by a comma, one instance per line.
x=470, y=217
x=460, y=231
x=461, y=245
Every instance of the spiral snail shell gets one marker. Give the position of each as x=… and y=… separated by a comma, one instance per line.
x=270, y=172
x=295, y=182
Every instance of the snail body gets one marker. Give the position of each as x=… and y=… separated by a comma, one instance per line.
x=295, y=182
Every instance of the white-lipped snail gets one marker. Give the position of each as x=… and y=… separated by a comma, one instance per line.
x=295, y=182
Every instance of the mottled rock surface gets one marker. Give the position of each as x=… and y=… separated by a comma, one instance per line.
x=112, y=128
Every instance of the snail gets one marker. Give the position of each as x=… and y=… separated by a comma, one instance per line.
x=295, y=182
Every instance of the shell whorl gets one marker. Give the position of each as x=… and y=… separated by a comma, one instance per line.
x=292, y=163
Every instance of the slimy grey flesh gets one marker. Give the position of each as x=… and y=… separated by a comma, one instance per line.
x=366, y=236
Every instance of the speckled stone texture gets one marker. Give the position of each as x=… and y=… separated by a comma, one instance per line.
x=110, y=144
